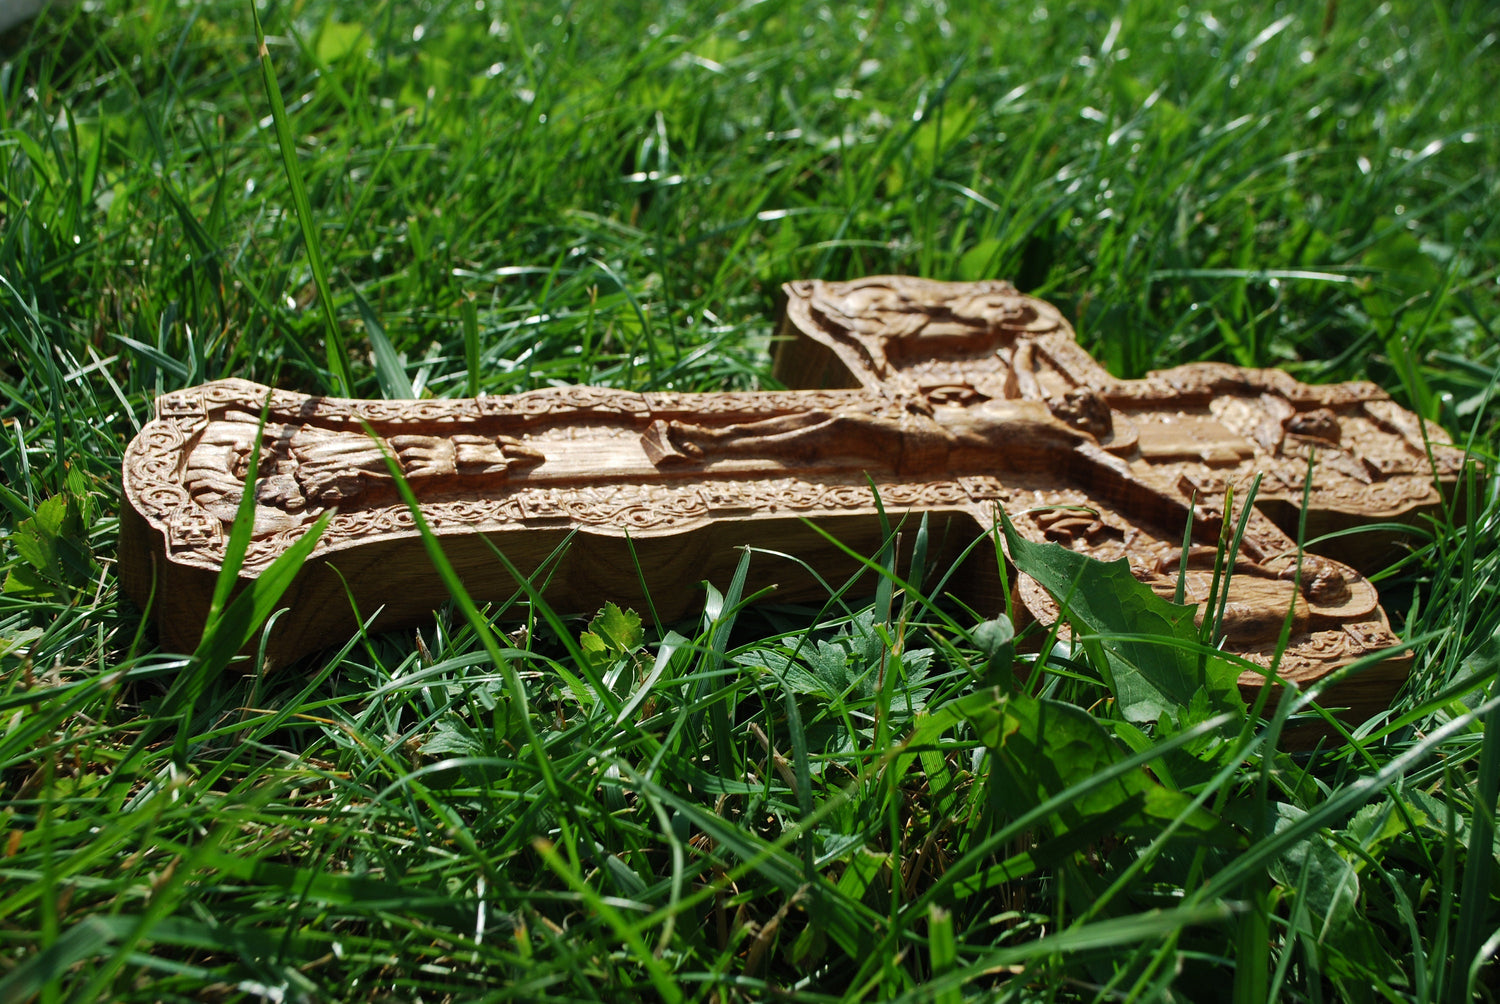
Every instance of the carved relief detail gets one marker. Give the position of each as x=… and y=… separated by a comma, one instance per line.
x=967, y=396
x=750, y=405
x=570, y=401
x=984, y=488
x=903, y=335
x=186, y=471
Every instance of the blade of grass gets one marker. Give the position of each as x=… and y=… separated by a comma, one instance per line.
x=395, y=385
x=1475, y=902
x=475, y=619
x=660, y=978
x=338, y=358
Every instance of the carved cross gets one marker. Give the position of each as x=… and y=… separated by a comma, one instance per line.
x=951, y=399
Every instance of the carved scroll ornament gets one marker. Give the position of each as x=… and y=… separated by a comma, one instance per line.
x=948, y=398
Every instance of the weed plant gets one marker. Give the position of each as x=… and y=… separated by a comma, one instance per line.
x=448, y=199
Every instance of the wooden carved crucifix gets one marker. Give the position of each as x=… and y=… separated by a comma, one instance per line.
x=949, y=398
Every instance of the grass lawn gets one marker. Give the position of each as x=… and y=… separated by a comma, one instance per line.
x=812, y=804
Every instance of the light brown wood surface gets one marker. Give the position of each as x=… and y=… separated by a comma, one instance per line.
x=948, y=399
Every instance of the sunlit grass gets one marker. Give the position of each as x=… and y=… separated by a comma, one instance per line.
x=508, y=198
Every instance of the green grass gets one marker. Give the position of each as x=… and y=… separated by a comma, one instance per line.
x=764, y=800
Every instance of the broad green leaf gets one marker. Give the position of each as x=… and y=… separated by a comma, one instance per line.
x=1156, y=661
x=942, y=127
x=1043, y=748
x=1323, y=878
x=35, y=540
x=1401, y=269
x=337, y=40
x=453, y=737
x=23, y=580
x=20, y=640
x=980, y=261
x=1375, y=826
x=867, y=878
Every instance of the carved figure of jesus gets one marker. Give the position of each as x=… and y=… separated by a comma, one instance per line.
x=306, y=469
x=910, y=439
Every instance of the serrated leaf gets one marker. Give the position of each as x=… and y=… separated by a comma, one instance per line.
x=1376, y=825
x=54, y=545
x=613, y=629
x=1156, y=661
x=35, y=540
x=829, y=670
x=452, y=738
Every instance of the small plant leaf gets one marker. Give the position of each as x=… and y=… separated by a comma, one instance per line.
x=54, y=545
x=996, y=639
x=15, y=643
x=613, y=630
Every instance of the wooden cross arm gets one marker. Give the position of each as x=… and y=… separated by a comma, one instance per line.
x=570, y=493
